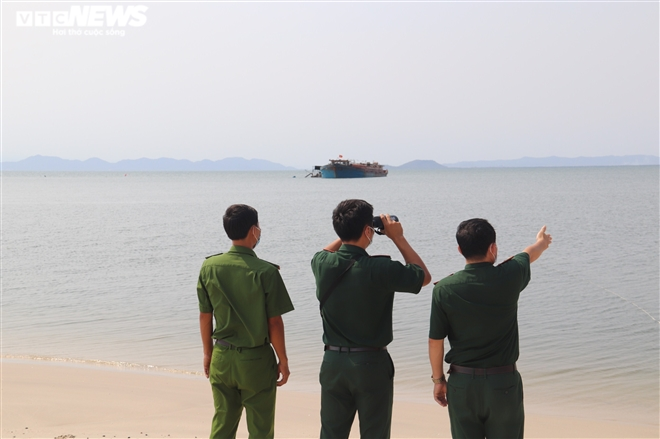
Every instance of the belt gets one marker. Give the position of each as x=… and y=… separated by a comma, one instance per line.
x=349, y=350
x=219, y=342
x=478, y=371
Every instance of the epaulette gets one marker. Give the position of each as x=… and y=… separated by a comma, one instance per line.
x=274, y=265
x=434, y=283
x=381, y=256
x=329, y=251
x=217, y=254
x=504, y=262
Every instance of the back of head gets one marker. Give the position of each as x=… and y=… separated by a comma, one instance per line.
x=238, y=219
x=350, y=217
x=474, y=236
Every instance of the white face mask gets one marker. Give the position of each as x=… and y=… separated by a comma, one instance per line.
x=258, y=238
x=373, y=232
x=494, y=256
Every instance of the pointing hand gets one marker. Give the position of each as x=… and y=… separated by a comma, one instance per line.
x=544, y=238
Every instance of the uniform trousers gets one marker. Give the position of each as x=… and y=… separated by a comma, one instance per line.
x=242, y=377
x=361, y=382
x=486, y=406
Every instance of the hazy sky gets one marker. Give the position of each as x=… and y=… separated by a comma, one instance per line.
x=299, y=83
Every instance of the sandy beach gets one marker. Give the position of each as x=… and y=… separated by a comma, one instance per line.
x=46, y=399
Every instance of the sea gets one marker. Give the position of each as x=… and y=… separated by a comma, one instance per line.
x=100, y=269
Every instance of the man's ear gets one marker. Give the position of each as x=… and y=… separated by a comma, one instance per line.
x=459, y=250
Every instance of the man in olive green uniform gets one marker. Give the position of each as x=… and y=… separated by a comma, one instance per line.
x=477, y=309
x=357, y=372
x=247, y=297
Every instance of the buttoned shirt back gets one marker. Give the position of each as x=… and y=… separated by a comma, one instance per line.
x=359, y=310
x=242, y=291
x=477, y=309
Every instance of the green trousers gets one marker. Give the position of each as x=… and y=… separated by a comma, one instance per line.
x=486, y=406
x=357, y=381
x=243, y=378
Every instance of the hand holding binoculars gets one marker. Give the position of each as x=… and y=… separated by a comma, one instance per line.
x=378, y=225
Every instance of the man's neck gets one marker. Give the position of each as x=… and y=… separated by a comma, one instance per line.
x=243, y=243
x=479, y=260
x=363, y=243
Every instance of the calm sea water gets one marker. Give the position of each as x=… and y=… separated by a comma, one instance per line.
x=103, y=266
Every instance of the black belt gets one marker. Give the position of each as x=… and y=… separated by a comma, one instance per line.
x=228, y=345
x=480, y=371
x=349, y=350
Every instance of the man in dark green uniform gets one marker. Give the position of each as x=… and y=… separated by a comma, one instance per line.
x=247, y=297
x=357, y=371
x=477, y=309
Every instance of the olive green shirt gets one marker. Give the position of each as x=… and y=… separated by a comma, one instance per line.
x=243, y=292
x=477, y=309
x=359, y=310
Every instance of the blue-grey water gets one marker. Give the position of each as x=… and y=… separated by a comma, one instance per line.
x=103, y=266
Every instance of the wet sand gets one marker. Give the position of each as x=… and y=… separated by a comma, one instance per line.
x=50, y=400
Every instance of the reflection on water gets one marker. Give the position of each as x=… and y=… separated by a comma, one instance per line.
x=104, y=267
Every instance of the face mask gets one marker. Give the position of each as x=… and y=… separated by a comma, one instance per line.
x=372, y=235
x=494, y=256
x=258, y=239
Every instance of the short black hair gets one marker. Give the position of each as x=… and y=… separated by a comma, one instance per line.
x=350, y=217
x=238, y=219
x=474, y=236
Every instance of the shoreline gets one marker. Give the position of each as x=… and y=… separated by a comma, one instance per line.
x=57, y=398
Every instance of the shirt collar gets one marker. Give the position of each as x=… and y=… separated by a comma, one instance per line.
x=243, y=250
x=478, y=265
x=353, y=249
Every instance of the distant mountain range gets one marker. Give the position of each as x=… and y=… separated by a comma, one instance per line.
x=532, y=162
x=419, y=164
x=42, y=163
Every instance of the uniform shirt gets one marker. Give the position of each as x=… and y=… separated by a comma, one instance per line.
x=242, y=291
x=359, y=310
x=477, y=309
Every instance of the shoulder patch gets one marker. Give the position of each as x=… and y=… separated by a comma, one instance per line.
x=274, y=265
x=381, y=256
x=217, y=254
x=438, y=281
x=505, y=261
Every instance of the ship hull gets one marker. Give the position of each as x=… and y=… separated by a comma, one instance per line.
x=342, y=171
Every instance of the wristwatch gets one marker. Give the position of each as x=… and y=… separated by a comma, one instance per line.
x=439, y=380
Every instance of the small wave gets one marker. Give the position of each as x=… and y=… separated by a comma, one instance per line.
x=122, y=365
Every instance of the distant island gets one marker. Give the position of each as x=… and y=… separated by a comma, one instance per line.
x=42, y=163
x=56, y=164
x=548, y=162
x=419, y=164
x=532, y=162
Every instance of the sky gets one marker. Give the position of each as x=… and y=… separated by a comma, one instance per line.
x=299, y=83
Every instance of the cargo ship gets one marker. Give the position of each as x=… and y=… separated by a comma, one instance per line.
x=343, y=168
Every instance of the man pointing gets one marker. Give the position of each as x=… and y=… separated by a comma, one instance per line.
x=477, y=309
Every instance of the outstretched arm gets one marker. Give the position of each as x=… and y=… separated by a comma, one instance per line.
x=543, y=241
x=206, y=329
x=394, y=231
x=436, y=354
x=276, y=335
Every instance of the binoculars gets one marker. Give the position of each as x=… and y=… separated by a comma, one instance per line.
x=378, y=225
